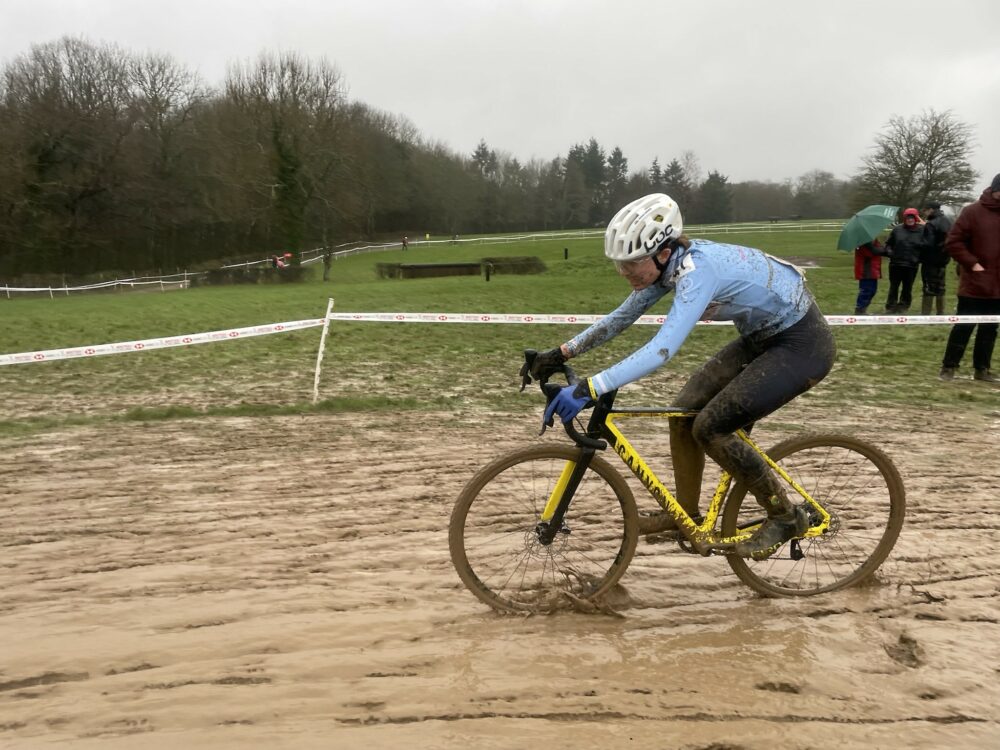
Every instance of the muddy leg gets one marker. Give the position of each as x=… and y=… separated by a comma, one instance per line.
x=686, y=452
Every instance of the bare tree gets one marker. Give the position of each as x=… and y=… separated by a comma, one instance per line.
x=692, y=169
x=162, y=191
x=918, y=158
x=757, y=201
x=820, y=195
x=295, y=112
x=69, y=110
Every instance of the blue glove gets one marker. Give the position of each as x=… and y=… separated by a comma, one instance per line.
x=569, y=402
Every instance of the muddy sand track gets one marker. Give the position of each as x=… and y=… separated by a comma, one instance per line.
x=285, y=583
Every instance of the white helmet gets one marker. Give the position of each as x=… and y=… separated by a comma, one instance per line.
x=644, y=227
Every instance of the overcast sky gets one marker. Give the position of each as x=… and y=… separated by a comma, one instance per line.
x=759, y=90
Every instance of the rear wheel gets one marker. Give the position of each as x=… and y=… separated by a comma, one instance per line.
x=859, y=487
x=495, y=546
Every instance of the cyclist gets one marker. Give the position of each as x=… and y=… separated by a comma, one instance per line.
x=785, y=347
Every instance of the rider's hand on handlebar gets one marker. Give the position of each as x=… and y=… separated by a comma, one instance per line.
x=569, y=402
x=544, y=365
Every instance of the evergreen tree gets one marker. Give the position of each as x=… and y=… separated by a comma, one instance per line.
x=676, y=185
x=715, y=200
x=656, y=176
x=617, y=182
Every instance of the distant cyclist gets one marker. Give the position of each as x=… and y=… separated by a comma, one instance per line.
x=785, y=347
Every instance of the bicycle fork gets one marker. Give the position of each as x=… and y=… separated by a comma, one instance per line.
x=552, y=521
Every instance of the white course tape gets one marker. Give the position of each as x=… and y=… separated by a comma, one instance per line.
x=385, y=317
x=647, y=320
x=146, y=344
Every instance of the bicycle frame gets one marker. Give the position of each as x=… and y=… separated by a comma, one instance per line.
x=703, y=537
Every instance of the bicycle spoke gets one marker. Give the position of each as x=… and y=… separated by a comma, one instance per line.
x=502, y=559
x=858, y=487
x=515, y=563
x=595, y=563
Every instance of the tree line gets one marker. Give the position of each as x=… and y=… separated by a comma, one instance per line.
x=117, y=160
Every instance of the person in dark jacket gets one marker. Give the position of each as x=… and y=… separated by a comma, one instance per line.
x=974, y=243
x=905, y=244
x=934, y=259
x=867, y=270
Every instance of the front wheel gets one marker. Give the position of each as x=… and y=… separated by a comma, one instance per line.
x=859, y=487
x=496, y=548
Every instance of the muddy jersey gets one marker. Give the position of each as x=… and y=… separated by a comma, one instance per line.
x=760, y=294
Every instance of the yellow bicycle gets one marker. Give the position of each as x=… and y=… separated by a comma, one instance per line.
x=548, y=522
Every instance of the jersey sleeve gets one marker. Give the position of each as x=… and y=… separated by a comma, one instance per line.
x=694, y=292
x=615, y=321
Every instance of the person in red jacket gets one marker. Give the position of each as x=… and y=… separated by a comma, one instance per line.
x=867, y=270
x=974, y=243
x=905, y=244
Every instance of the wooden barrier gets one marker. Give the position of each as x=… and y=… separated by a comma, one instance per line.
x=491, y=266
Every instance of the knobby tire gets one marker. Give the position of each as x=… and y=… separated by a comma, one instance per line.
x=853, y=480
x=496, y=551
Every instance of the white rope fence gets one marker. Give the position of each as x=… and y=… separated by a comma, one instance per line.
x=174, y=281
x=231, y=334
x=188, y=339
x=182, y=280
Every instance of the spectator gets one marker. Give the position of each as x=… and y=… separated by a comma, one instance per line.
x=974, y=243
x=934, y=258
x=327, y=259
x=867, y=270
x=904, y=244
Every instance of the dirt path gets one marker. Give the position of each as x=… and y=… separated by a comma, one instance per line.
x=285, y=583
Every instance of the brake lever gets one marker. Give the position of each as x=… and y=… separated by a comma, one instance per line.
x=529, y=359
x=551, y=390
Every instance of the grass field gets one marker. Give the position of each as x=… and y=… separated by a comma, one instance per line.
x=414, y=367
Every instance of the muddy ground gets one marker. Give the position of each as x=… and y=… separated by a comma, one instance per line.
x=285, y=583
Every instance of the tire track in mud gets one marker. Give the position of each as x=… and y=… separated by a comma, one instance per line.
x=219, y=581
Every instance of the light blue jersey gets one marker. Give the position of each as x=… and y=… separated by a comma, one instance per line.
x=761, y=294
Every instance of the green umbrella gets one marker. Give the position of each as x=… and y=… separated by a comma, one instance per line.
x=865, y=225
